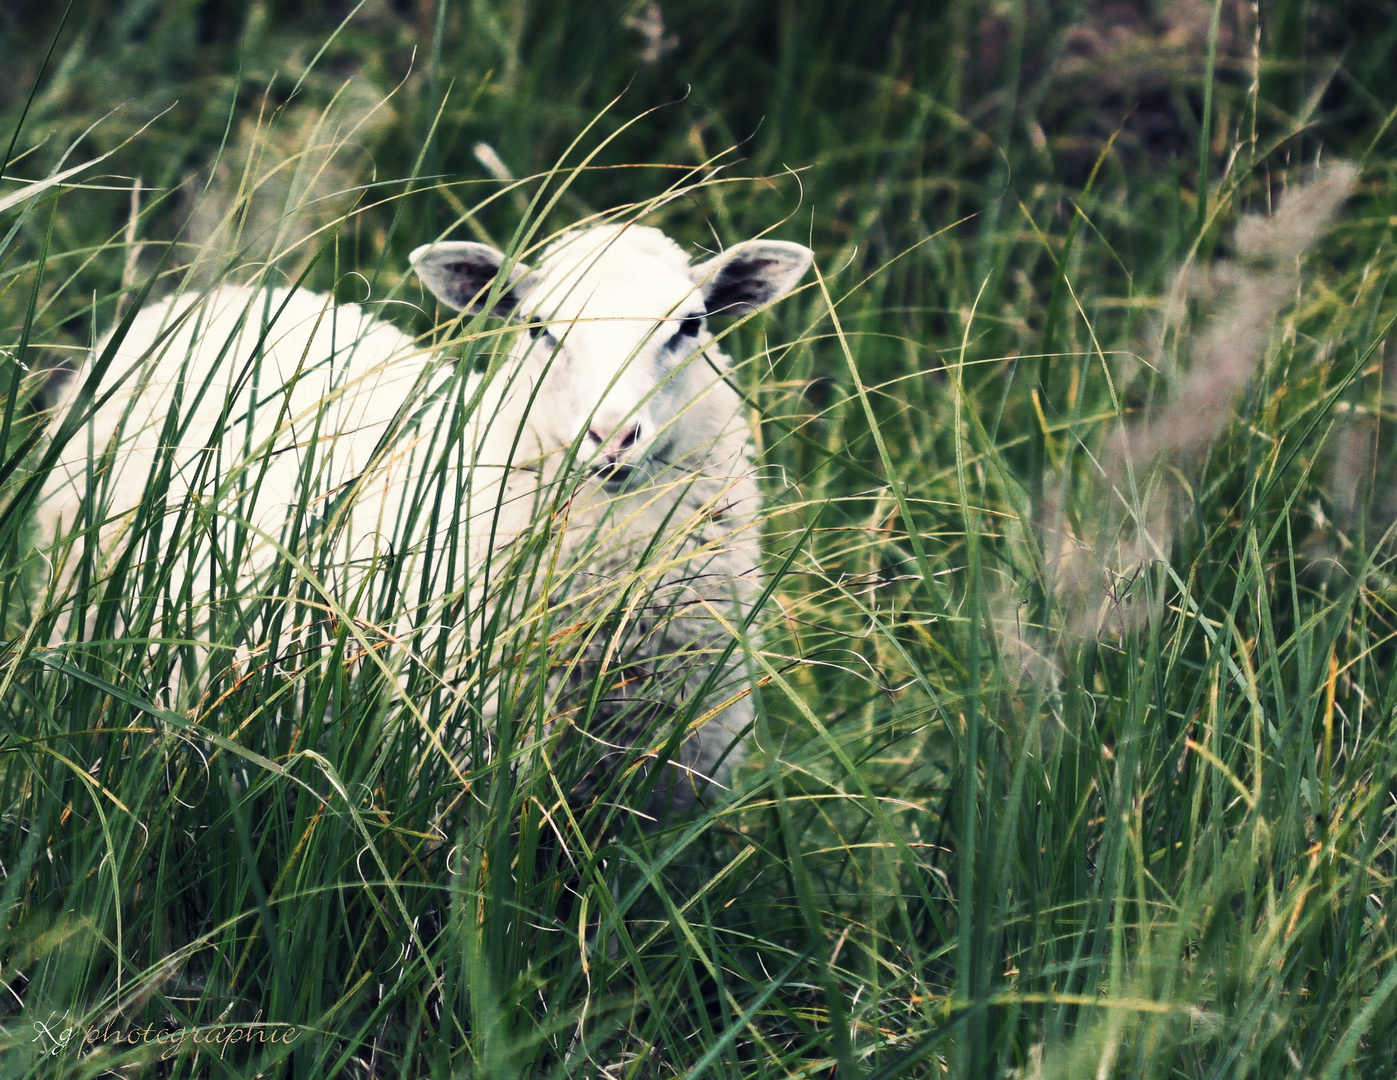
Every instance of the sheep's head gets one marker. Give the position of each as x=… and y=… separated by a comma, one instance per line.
x=617, y=323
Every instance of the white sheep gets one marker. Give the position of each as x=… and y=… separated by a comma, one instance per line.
x=608, y=434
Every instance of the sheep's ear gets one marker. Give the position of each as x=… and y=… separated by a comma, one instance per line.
x=460, y=273
x=751, y=275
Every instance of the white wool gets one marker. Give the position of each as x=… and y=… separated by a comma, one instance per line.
x=192, y=357
x=346, y=412
x=627, y=250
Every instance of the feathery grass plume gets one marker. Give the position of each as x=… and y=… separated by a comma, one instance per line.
x=1353, y=459
x=290, y=173
x=1138, y=518
x=1258, y=284
x=492, y=162
x=650, y=25
x=1360, y=492
x=1026, y=658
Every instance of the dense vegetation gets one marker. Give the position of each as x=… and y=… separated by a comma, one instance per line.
x=1077, y=742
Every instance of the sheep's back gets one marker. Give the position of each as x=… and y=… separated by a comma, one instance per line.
x=255, y=425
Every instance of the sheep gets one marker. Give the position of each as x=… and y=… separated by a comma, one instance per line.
x=607, y=426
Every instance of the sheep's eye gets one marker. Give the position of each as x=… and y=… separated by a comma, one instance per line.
x=683, y=338
x=539, y=332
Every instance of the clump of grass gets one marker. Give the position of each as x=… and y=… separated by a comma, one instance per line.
x=1168, y=856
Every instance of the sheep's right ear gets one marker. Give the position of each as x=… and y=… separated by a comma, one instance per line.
x=461, y=273
x=749, y=276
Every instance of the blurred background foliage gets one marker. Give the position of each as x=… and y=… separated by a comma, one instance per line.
x=899, y=117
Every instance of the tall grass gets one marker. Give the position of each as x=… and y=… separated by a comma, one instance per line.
x=1066, y=763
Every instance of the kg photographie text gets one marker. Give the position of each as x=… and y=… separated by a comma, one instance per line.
x=57, y=1036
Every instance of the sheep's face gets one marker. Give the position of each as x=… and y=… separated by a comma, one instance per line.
x=617, y=331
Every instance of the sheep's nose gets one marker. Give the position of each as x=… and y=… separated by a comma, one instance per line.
x=616, y=443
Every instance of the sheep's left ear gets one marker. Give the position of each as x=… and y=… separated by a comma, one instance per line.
x=460, y=274
x=751, y=275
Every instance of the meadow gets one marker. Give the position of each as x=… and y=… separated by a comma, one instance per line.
x=1076, y=739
